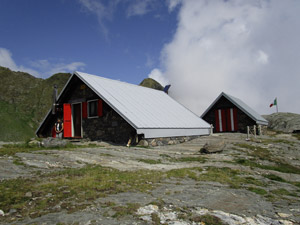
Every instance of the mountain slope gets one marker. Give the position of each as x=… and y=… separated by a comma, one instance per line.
x=150, y=83
x=24, y=101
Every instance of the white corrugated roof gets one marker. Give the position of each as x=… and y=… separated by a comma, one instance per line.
x=242, y=106
x=144, y=108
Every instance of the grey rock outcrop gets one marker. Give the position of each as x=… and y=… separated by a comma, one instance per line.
x=54, y=142
x=285, y=122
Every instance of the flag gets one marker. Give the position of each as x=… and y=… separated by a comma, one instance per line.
x=274, y=102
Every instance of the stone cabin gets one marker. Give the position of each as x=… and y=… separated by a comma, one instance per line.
x=230, y=114
x=98, y=108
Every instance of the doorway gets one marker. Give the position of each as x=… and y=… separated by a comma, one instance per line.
x=76, y=119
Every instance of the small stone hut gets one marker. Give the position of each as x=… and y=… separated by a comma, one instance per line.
x=103, y=109
x=230, y=114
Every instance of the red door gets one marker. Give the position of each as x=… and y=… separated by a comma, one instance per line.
x=220, y=115
x=67, y=120
x=226, y=120
x=231, y=119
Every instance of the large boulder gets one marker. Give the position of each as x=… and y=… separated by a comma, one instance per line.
x=143, y=143
x=213, y=147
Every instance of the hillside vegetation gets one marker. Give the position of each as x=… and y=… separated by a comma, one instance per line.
x=150, y=83
x=24, y=101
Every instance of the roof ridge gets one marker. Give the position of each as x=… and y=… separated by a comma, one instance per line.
x=119, y=81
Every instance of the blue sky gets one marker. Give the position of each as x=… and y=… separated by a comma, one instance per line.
x=247, y=48
x=123, y=44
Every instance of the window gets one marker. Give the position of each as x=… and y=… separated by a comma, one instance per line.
x=93, y=108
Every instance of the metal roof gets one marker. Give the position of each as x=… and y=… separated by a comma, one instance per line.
x=242, y=106
x=149, y=111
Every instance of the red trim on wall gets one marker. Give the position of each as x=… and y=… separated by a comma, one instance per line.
x=235, y=119
x=217, y=121
x=67, y=120
x=223, y=113
x=100, y=107
x=84, y=110
x=229, y=128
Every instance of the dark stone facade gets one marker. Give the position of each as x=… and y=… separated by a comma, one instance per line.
x=223, y=103
x=109, y=127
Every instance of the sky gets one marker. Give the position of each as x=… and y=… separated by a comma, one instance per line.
x=246, y=48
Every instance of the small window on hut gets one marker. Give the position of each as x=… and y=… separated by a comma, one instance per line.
x=92, y=108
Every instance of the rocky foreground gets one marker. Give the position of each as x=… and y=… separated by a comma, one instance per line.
x=248, y=182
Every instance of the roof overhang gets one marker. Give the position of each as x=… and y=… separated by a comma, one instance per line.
x=174, y=132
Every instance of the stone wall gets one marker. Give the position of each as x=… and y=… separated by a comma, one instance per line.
x=152, y=142
x=109, y=127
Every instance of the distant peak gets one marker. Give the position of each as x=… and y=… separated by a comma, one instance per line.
x=151, y=83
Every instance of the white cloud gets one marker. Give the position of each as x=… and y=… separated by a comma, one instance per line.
x=6, y=60
x=262, y=58
x=139, y=8
x=149, y=61
x=49, y=68
x=173, y=4
x=157, y=75
x=247, y=48
x=103, y=12
x=40, y=68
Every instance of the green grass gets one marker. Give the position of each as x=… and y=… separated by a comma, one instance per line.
x=282, y=191
x=208, y=219
x=280, y=141
x=257, y=190
x=183, y=173
x=188, y=159
x=297, y=136
x=74, y=186
x=129, y=209
x=14, y=126
x=164, y=155
x=232, y=177
x=71, y=186
x=155, y=219
x=150, y=161
x=12, y=149
x=264, y=154
x=17, y=161
x=256, y=151
x=228, y=176
x=274, y=177
x=279, y=166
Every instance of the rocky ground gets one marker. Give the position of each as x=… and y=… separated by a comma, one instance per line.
x=249, y=182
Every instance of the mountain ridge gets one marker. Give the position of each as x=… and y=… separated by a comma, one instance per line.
x=24, y=101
